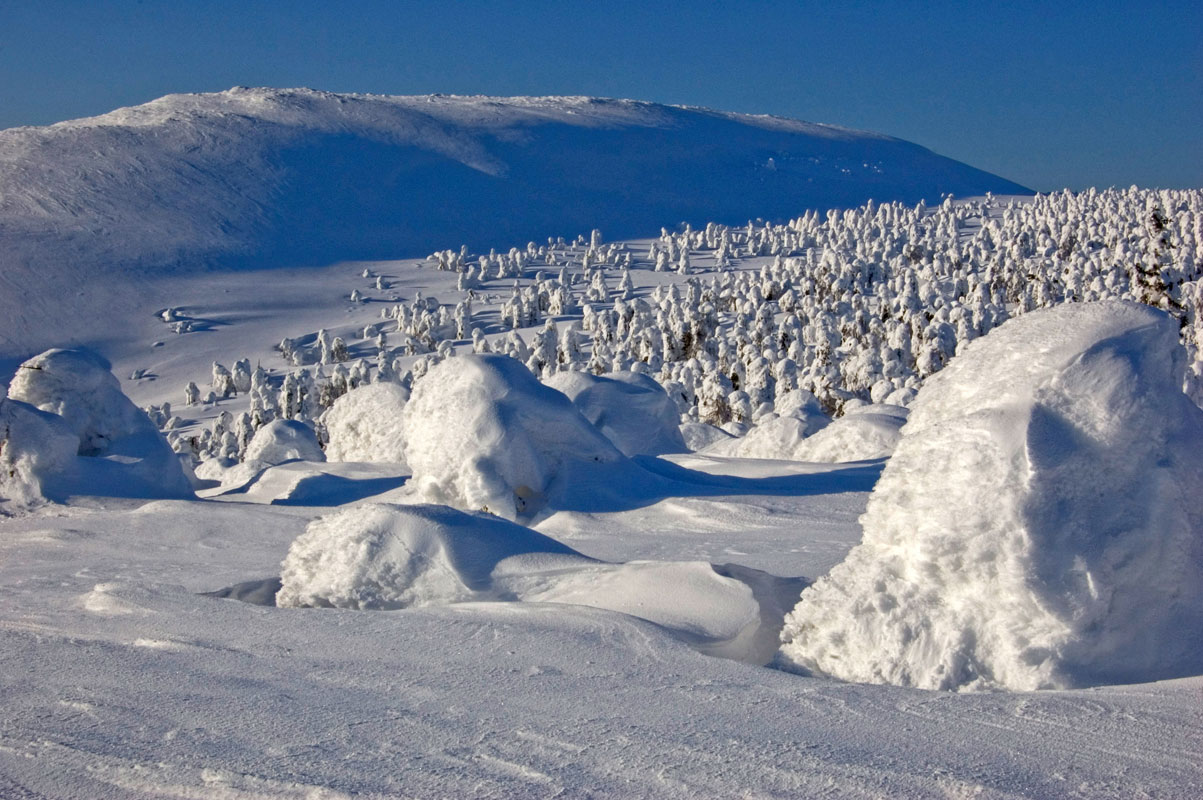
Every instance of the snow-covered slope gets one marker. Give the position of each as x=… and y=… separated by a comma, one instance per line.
x=266, y=177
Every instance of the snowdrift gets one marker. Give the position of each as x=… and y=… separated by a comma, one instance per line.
x=632, y=410
x=270, y=177
x=481, y=433
x=365, y=424
x=122, y=452
x=1038, y=525
x=381, y=557
x=863, y=433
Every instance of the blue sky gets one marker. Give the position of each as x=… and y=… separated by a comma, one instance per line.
x=1047, y=94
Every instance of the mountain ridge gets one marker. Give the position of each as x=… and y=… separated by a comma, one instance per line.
x=260, y=178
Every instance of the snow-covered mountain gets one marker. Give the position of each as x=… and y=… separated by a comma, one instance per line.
x=267, y=177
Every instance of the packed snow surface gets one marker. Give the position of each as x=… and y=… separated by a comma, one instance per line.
x=481, y=433
x=365, y=424
x=632, y=410
x=1038, y=525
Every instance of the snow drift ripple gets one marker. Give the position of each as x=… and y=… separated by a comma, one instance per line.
x=1038, y=525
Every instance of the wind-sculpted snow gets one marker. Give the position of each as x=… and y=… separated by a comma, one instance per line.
x=365, y=424
x=34, y=447
x=631, y=410
x=266, y=177
x=121, y=451
x=382, y=557
x=481, y=433
x=1038, y=525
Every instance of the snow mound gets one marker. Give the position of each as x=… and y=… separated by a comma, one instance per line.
x=481, y=433
x=863, y=433
x=377, y=556
x=701, y=435
x=382, y=557
x=779, y=435
x=126, y=454
x=365, y=424
x=632, y=410
x=284, y=440
x=34, y=446
x=1038, y=525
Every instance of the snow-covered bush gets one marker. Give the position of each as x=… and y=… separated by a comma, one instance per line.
x=379, y=557
x=779, y=435
x=1038, y=525
x=365, y=424
x=376, y=556
x=481, y=432
x=633, y=411
x=284, y=440
x=34, y=448
x=78, y=386
x=701, y=435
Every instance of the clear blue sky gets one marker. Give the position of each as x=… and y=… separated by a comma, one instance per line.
x=1049, y=94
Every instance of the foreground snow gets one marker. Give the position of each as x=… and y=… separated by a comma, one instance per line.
x=121, y=679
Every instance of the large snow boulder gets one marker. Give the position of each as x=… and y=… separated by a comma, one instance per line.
x=129, y=457
x=1038, y=525
x=283, y=440
x=365, y=424
x=632, y=410
x=79, y=386
x=481, y=433
x=34, y=448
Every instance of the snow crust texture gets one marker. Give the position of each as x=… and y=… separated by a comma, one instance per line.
x=632, y=410
x=481, y=433
x=365, y=424
x=1038, y=525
